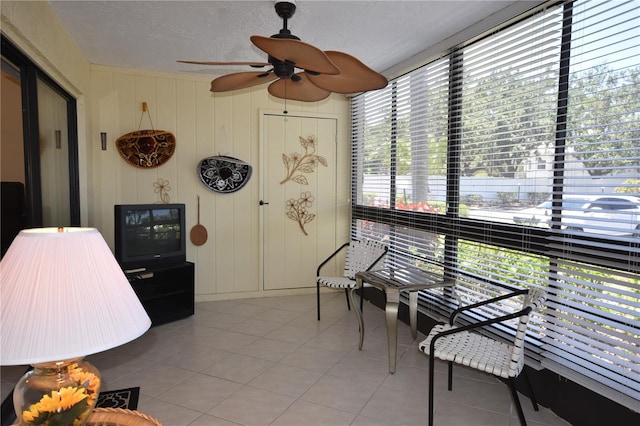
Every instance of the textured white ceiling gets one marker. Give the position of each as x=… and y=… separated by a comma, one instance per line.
x=153, y=35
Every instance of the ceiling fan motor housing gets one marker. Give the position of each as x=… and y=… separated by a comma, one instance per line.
x=285, y=9
x=282, y=69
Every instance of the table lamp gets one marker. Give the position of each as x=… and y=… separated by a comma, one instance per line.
x=63, y=296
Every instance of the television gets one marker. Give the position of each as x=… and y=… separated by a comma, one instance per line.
x=149, y=236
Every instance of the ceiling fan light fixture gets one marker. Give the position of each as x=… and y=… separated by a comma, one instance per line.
x=282, y=69
x=298, y=88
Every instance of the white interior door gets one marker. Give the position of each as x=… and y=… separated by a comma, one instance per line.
x=298, y=197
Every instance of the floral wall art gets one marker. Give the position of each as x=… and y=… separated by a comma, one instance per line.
x=297, y=165
x=297, y=210
x=162, y=188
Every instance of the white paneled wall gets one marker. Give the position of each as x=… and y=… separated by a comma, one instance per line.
x=204, y=124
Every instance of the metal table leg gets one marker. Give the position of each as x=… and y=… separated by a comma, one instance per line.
x=356, y=308
x=391, y=281
x=391, y=314
x=413, y=313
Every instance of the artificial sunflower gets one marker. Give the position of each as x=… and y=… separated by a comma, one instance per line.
x=67, y=406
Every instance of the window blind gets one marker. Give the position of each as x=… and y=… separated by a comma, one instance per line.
x=402, y=133
x=514, y=161
x=594, y=240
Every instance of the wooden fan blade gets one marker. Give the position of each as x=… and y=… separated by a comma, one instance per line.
x=301, y=54
x=241, y=80
x=251, y=64
x=354, y=76
x=302, y=90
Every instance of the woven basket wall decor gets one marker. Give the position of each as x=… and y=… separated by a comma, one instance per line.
x=224, y=174
x=146, y=149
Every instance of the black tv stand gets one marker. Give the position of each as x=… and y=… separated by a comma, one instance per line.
x=166, y=293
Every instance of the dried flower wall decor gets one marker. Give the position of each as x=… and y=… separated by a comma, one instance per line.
x=161, y=187
x=297, y=163
x=297, y=210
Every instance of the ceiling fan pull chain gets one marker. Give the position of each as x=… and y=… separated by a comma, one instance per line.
x=285, y=98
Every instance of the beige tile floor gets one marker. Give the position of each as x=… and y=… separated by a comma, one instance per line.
x=269, y=361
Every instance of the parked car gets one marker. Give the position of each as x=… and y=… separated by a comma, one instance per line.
x=540, y=215
x=608, y=214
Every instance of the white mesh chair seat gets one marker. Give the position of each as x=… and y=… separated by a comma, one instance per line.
x=473, y=350
x=362, y=255
x=458, y=344
x=337, y=282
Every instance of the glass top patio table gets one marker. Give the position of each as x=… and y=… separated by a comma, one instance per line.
x=392, y=281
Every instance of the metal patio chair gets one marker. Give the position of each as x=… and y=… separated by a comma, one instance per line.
x=362, y=255
x=456, y=344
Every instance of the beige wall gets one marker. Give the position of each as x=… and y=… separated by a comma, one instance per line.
x=110, y=100
x=204, y=125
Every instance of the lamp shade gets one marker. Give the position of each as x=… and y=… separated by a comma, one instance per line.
x=63, y=295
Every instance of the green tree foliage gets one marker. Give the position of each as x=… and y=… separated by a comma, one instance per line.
x=630, y=186
x=377, y=145
x=506, y=115
x=604, y=119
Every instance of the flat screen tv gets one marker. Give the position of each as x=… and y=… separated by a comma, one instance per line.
x=149, y=236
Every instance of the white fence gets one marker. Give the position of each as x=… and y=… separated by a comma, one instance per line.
x=488, y=188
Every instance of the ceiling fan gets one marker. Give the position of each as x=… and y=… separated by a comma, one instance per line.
x=322, y=72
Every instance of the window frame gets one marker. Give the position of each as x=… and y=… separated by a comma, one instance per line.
x=526, y=239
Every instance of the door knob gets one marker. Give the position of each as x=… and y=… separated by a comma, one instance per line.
x=262, y=203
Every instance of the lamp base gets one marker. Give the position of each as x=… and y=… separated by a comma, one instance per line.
x=59, y=393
